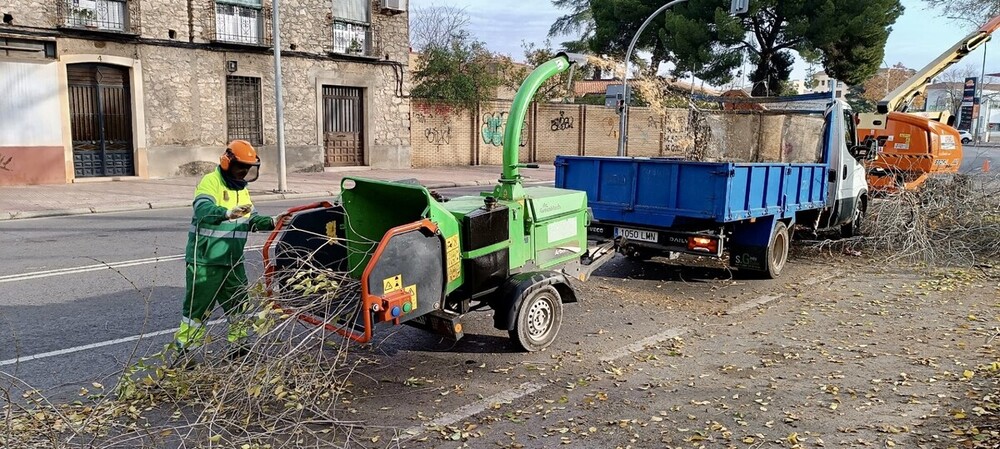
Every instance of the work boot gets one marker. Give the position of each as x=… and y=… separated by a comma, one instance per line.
x=184, y=360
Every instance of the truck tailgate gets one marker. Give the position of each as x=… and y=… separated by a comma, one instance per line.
x=657, y=192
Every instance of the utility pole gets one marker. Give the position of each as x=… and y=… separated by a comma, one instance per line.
x=279, y=103
x=982, y=81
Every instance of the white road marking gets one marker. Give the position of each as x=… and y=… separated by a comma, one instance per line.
x=95, y=345
x=740, y=308
x=641, y=344
x=468, y=410
x=814, y=281
x=95, y=267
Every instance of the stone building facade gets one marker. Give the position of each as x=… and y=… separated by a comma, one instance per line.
x=106, y=88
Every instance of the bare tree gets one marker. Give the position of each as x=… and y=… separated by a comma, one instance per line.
x=436, y=26
x=972, y=12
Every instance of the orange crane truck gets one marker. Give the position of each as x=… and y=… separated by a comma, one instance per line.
x=913, y=146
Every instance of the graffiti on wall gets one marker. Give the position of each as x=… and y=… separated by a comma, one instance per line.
x=436, y=123
x=493, y=126
x=438, y=135
x=610, y=124
x=652, y=128
x=5, y=162
x=562, y=123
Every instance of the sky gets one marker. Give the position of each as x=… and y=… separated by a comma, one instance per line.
x=919, y=35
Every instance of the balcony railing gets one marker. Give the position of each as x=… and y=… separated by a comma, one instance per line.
x=357, y=39
x=237, y=24
x=118, y=16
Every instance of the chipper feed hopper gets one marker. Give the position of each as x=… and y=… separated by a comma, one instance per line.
x=404, y=256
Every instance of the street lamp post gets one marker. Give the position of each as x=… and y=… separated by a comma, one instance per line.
x=736, y=7
x=279, y=103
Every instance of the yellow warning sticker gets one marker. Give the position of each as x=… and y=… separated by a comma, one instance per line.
x=331, y=229
x=392, y=284
x=454, y=254
x=412, y=290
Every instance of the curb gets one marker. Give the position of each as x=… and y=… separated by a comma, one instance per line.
x=20, y=215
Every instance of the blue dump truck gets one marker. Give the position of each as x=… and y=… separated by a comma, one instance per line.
x=748, y=176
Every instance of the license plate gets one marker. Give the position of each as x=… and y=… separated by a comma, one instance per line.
x=637, y=234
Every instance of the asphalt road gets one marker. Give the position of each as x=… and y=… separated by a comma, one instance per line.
x=78, y=291
x=973, y=158
x=655, y=354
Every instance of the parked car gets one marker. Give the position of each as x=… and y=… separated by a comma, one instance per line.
x=966, y=136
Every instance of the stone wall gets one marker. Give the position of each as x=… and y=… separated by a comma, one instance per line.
x=443, y=135
x=184, y=80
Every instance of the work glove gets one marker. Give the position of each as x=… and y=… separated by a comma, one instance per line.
x=238, y=211
x=277, y=219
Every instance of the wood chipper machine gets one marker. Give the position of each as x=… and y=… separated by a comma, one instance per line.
x=407, y=256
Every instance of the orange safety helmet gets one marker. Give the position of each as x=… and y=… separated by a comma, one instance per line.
x=241, y=152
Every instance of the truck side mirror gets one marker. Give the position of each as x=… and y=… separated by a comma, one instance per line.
x=867, y=151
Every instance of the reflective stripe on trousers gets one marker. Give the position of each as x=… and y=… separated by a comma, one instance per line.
x=214, y=233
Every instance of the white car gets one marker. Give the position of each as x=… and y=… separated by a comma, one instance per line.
x=966, y=136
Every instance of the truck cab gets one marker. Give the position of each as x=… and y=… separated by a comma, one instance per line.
x=848, y=202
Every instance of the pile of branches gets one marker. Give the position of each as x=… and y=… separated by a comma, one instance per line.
x=949, y=221
x=287, y=388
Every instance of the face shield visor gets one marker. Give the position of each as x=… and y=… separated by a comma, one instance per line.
x=246, y=172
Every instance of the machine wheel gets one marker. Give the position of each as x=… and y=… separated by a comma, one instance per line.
x=856, y=226
x=538, y=319
x=966, y=140
x=777, y=251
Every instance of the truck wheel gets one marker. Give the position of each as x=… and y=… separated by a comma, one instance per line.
x=538, y=319
x=855, y=227
x=777, y=251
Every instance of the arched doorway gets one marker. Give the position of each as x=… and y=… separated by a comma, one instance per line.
x=101, y=120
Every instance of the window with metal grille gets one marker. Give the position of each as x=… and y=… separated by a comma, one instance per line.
x=352, y=27
x=239, y=21
x=243, y=109
x=108, y=15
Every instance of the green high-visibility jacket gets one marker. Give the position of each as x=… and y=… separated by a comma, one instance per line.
x=212, y=239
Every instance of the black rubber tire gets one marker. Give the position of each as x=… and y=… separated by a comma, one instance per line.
x=855, y=227
x=637, y=254
x=777, y=251
x=966, y=141
x=538, y=320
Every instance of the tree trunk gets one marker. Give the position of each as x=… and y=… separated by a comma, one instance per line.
x=766, y=83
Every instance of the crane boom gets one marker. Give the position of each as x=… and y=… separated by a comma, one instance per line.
x=899, y=99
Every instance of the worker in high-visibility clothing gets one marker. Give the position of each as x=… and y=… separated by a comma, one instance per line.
x=223, y=215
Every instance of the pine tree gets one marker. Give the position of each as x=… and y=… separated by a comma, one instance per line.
x=847, y=36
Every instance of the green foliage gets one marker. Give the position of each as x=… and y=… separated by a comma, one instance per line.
x=855, y=97
x=578, y=22
x=847, y=36
x=462, y=73
x=615, y=24
x=554, y=88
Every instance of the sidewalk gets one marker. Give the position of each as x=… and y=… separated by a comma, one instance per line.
x=91, y=197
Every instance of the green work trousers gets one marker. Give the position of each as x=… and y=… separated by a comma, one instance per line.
x=206, y=286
